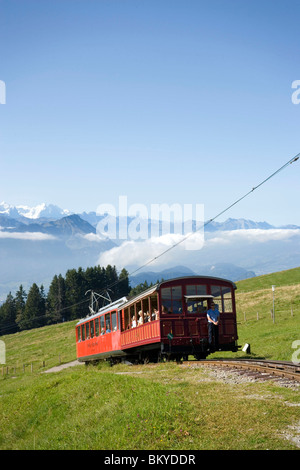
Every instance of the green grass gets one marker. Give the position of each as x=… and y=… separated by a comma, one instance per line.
x=282, y=278
x=159, y=407
x=142, y=407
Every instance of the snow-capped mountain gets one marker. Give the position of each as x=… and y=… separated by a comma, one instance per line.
x=38, y=242
x=47, y=211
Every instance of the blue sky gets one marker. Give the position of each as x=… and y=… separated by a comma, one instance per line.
x=164, y=101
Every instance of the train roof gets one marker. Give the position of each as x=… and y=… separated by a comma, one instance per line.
x=107, y=308
x=125, y=302
x=157, y=286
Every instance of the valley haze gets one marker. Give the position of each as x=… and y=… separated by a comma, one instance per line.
x=38, y=242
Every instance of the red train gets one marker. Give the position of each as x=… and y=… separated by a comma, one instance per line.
x=166, y=321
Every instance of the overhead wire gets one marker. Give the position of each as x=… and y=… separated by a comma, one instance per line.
x=292, y=160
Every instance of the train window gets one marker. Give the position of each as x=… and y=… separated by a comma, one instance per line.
x=166, y=299
x=102, y=326
x=196, y=306
x=97, y=327
x=107, y=323
x=227, y=305
x=154, y=307
x=114, y=321
x=196, y=290
x=171, y=299
x=83, y=332
x=145, y=304
x=78, y=333
x=227, y=299
x=176, y=299
x=226, y=292
x=92, y=328
x=87, y=330
x=216, y=292
x=132, y=318
x=126, y=319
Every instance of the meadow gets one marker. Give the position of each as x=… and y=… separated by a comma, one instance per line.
x=156, y=406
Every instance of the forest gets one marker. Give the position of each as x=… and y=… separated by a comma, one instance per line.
x=67, y=298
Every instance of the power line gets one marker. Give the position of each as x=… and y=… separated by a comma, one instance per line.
x=292, y=160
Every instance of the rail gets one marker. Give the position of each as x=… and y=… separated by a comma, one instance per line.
x=284, y=369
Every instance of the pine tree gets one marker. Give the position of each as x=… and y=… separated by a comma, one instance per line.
x=111, y=281
x=20, y=300
x=34, y=312
x=75, y=294
x=123, y=285
x=8, y=316
x=56, y=300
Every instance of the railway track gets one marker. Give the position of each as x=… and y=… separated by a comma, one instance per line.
x=262, y=369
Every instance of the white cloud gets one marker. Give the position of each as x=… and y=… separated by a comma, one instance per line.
x=133, y=252
x=93, y=237
x=250, y=236
x=138, y=253
x=33, y=236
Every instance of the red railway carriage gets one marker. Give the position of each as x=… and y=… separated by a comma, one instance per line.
x=168, y=320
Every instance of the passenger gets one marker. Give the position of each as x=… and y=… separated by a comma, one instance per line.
x=140, y=320
x=155, y=314
x=213, y=316
x=133, y=322
x=102, y=331
x=147, y=317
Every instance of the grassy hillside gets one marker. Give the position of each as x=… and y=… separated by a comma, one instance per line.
x=50, y=344
x=159, y=407
x=288, y=277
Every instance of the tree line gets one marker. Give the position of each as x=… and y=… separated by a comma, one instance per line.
x=65, y=300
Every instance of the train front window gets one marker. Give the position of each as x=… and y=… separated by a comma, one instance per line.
x=227, y=299
x=196, y=306
x=196, y=289
x=171, y=299
x=78, y=333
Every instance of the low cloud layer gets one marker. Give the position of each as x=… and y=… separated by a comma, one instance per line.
x=250, y=235
x=138, y=253
x=33, y=236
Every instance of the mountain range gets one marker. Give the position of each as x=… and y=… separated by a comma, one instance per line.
x=38, y=242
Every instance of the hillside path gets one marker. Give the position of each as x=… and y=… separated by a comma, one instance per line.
x=64, y=366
